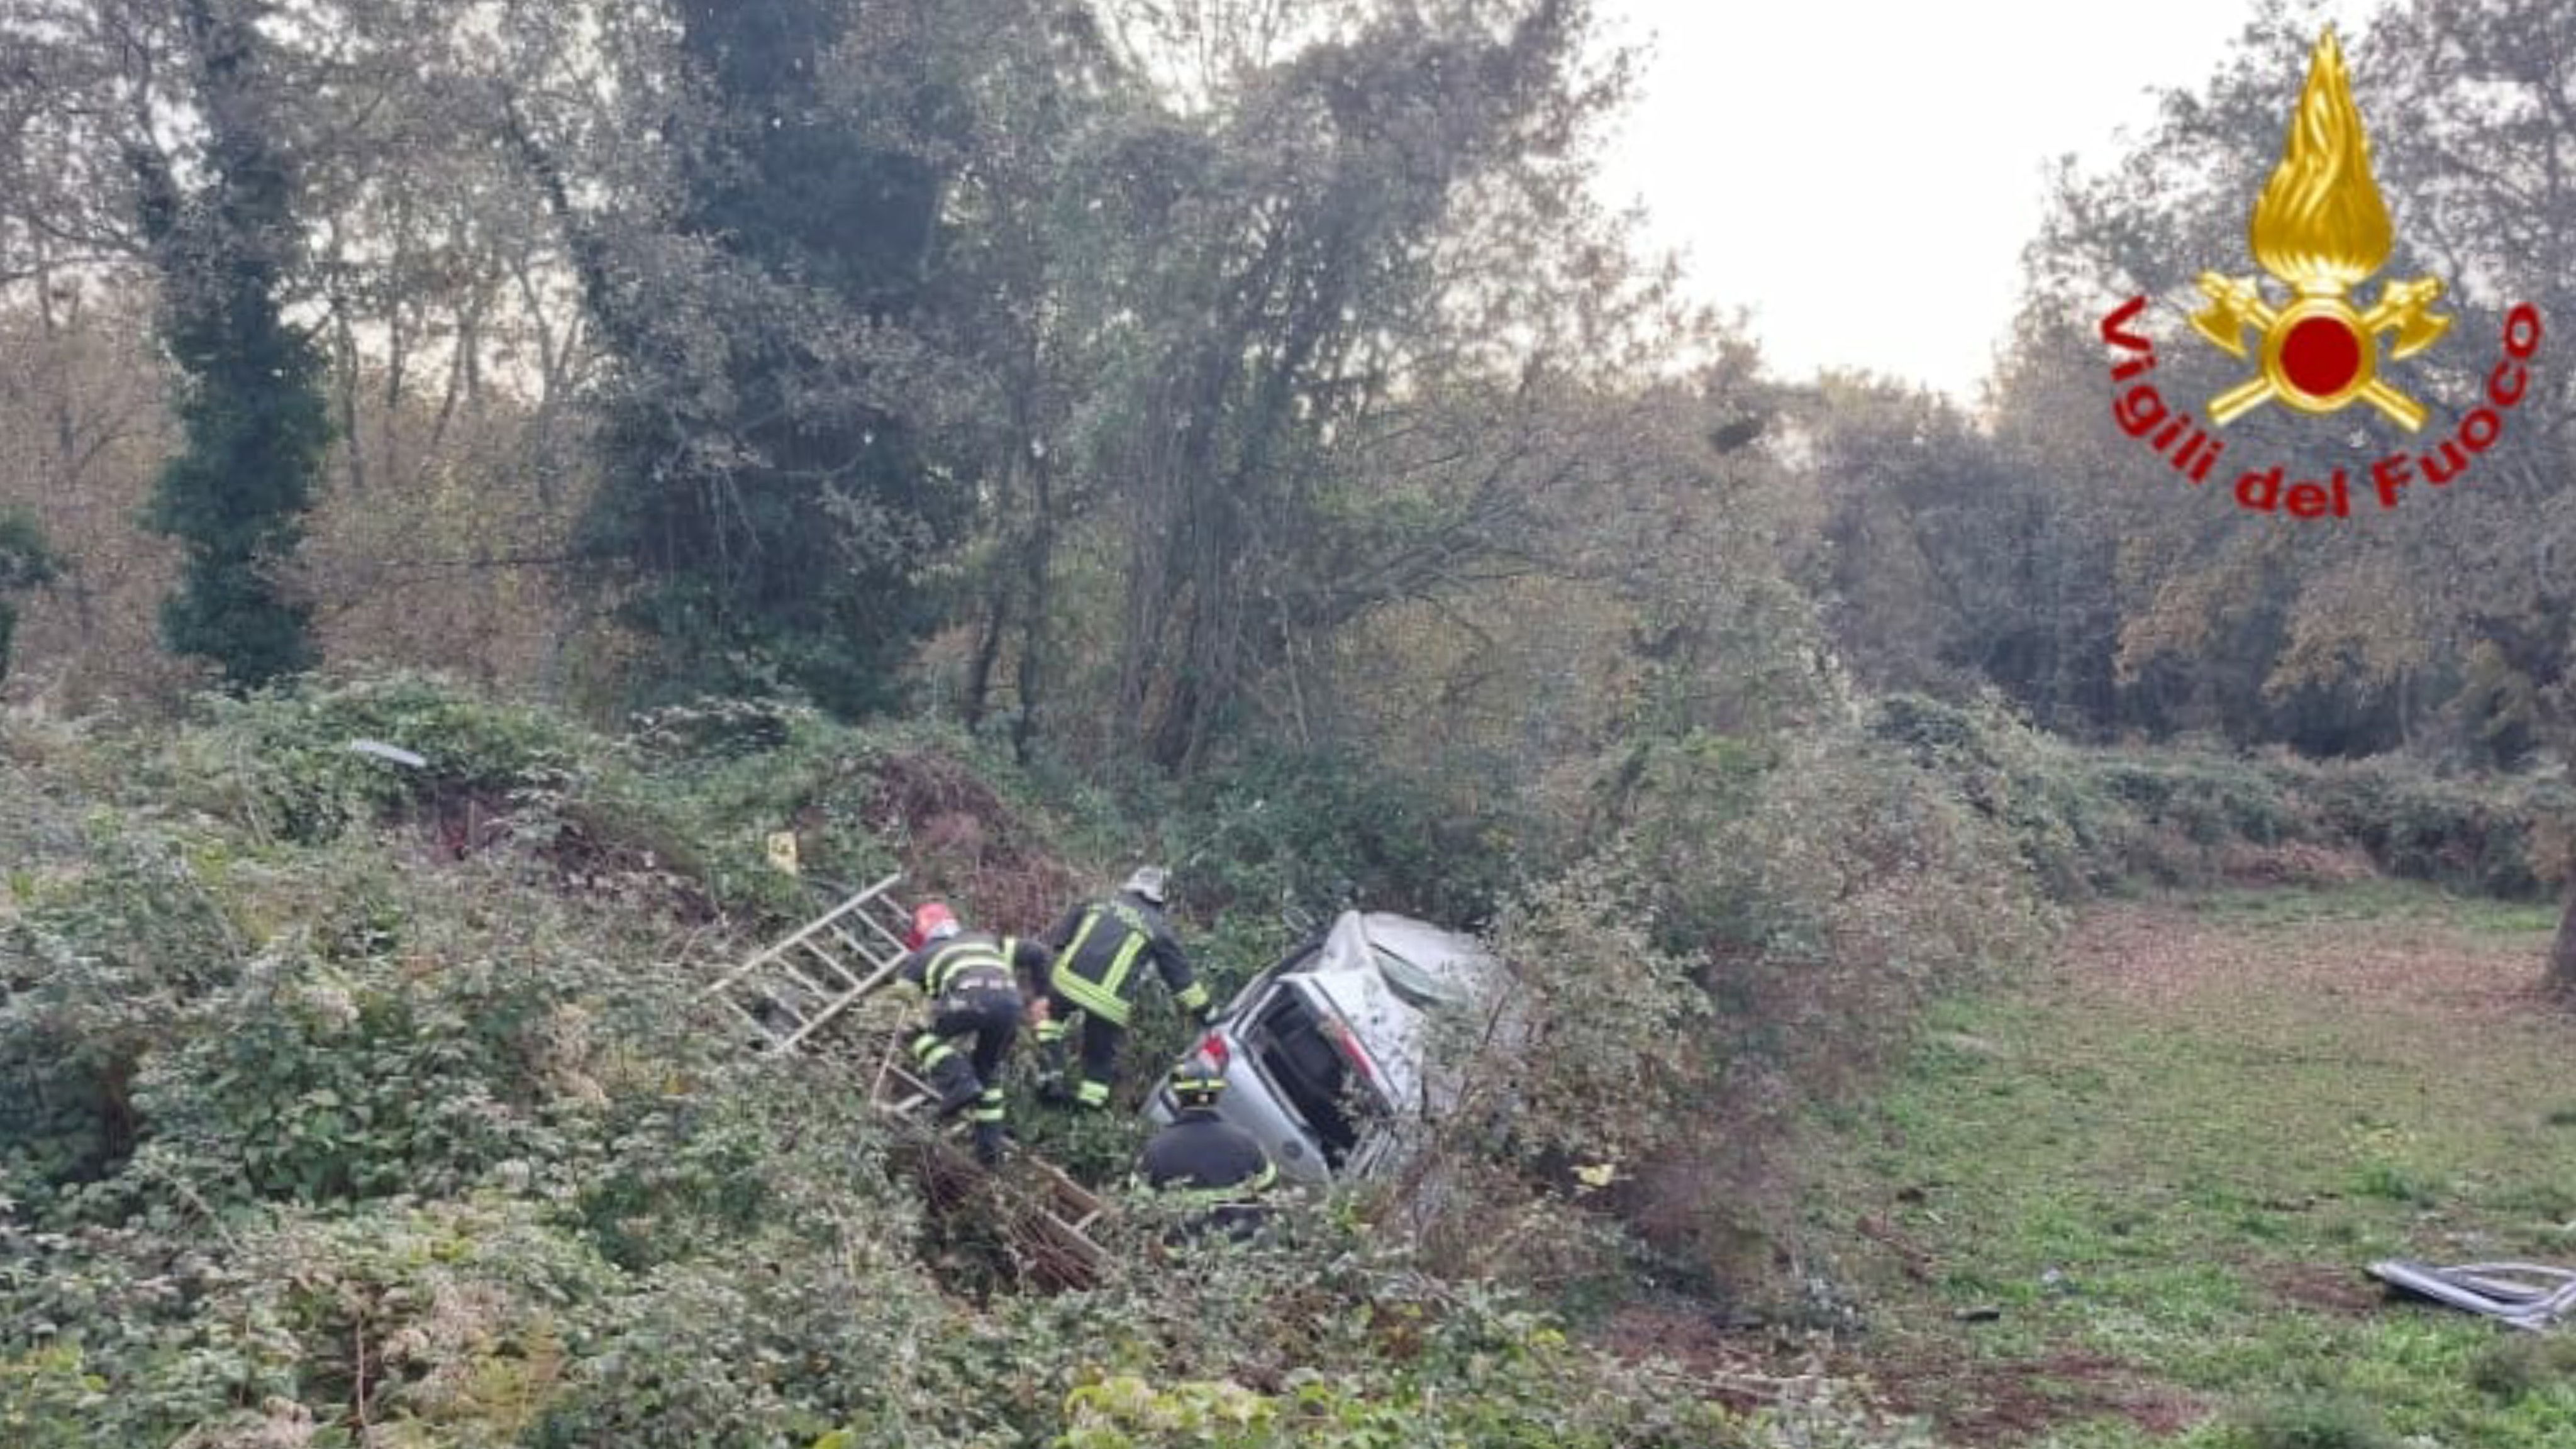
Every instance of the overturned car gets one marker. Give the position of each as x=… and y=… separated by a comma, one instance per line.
x=1327, y=1055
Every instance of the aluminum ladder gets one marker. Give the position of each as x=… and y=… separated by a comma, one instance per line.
x=795, y=986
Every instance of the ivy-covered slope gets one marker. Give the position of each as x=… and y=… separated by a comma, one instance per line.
x=344, y=1102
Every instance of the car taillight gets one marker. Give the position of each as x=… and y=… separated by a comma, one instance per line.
x=1213, y=1047
x=1350, y=1045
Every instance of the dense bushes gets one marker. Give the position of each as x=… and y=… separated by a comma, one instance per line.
x=2065, y=832
x=690, y=798
x=296, y=765
x=1820, y=888
x=2093, y=819
x=1320, y=828
x=97, y=968
x=316, y=1137
x=329, y=1085
x=2499, y=837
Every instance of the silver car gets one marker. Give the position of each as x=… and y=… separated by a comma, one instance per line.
x=1327, y=1054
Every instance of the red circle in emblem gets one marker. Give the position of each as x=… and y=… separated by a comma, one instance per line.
x=2321, y=356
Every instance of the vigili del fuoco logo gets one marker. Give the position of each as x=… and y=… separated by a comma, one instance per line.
x=2321, y=230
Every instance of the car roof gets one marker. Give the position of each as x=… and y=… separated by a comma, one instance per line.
x=1353, y=974
x=1454, y=961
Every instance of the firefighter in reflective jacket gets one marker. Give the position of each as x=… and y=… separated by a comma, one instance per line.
x=1097, y=950
x=973, y=981
x=1205, y=1160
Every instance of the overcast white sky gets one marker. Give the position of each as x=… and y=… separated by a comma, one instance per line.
x=1862, y=174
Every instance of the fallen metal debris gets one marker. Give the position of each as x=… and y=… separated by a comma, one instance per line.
x=2526, y=1295
x=394, y=754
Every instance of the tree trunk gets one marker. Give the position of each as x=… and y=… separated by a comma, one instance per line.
x=2562, y=952
x=999, y=587
x=988, y=649
x=1033, y=640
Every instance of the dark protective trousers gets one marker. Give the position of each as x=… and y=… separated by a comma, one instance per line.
x=988, y=1017
x=1088, y=1086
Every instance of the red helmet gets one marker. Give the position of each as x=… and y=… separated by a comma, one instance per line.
x=931, y=921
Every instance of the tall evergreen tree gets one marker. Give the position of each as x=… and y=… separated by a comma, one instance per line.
x=251, y=409
x=766, y=497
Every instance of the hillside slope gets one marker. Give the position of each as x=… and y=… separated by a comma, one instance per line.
x=351, y=1104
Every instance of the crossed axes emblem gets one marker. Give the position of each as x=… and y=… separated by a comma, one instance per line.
x=2320, y=353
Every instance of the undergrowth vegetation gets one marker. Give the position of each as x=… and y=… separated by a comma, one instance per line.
x=358, y=1092
x=359, y=1101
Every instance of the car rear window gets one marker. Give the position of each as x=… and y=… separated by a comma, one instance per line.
x=1413, y=985
x=1309, y=1073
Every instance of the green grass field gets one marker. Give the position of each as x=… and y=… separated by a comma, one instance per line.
x=2129, y=1201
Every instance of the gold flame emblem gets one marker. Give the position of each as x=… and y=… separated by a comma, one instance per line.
x=2321, y=229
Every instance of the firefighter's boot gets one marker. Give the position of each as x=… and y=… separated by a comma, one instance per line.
x=1051, y=1062
x=951, y=1076
x=989, y=1132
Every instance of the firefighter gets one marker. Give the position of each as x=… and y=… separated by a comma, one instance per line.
x=973, y=981
x=1098, y=949
x=1204, y=1159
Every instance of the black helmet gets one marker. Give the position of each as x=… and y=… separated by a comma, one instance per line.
x=1197, y=1082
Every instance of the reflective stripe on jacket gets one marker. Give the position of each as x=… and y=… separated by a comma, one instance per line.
x=974, y=959
x=1097, y=951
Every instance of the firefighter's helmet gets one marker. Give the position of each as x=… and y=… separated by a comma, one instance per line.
x=1197, y=1082
x=932, y=921
x=1148, y=883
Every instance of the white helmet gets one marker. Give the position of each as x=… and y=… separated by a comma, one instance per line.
x=1148, y=882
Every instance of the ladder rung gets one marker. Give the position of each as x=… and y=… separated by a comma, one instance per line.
x=848, y=976
x=743, y=979
x=859, y=948
x=893, y=938
x=830, y=1009
x=808, y=984
x=781, y=1008
x=854, y=904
